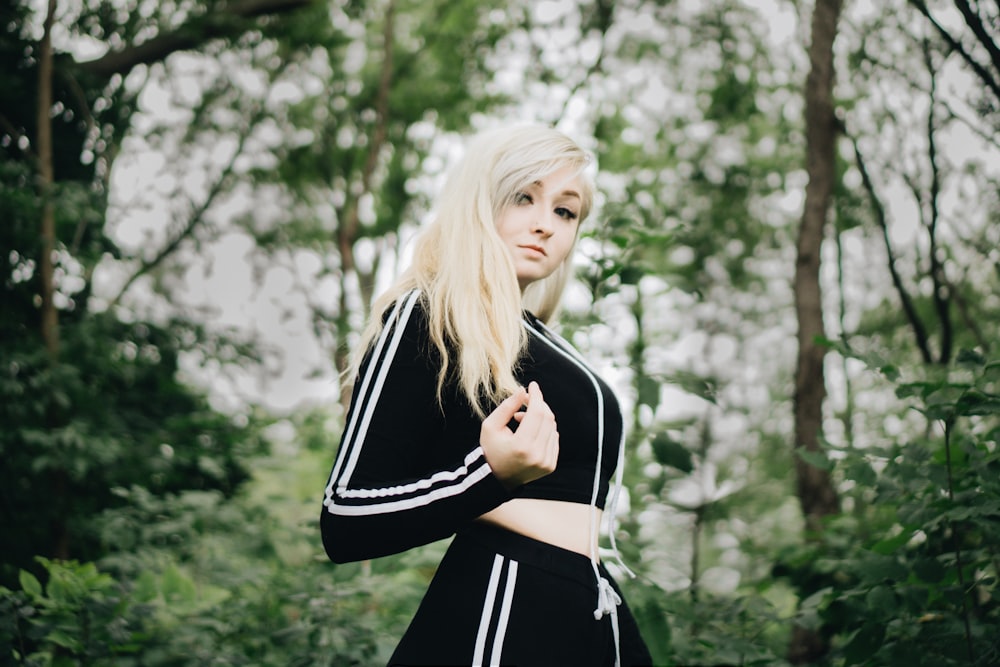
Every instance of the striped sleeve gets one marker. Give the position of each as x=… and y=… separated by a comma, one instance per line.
x=407, y=472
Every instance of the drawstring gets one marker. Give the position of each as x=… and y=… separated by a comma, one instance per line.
x=613, y=506
x=608, y=601
x=607, y=597
x=619, y=465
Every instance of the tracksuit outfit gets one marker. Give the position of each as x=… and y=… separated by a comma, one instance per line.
x=409, y=472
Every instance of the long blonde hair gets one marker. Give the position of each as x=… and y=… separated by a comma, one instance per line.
x=465, y=273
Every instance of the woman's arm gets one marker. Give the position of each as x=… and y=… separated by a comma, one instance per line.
x=407, y=472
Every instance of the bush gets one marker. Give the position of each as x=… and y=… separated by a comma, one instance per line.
x=910, y=577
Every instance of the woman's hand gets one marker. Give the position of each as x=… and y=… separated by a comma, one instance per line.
x=530, y=452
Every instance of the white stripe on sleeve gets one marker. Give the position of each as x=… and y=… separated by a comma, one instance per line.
x=376, y=372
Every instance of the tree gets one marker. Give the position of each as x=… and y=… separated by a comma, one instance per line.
x=73, y=422
x=895, y=204
x=978, y=18
x=688, y=262
x=354, y=183
x=814, y=485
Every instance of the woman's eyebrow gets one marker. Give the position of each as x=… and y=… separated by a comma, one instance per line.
x=564, y=193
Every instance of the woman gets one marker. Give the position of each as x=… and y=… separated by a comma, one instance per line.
x=470, y=417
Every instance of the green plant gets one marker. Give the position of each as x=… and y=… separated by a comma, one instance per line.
x=80, y=616
x=910, y=577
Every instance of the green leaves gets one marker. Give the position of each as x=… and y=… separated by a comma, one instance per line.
x=701, y=386
x=970, y=388
x=928, y=513
x=863, y=643
x=972, y=391
x=670, y=452
x=111, y=414
x=815, y=459
x=30, y=584
x=79, y=613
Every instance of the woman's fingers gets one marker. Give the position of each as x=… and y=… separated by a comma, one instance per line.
x=538, y=418
x=528, y=452
x=507, y=410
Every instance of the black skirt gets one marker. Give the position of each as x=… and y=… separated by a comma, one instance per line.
x=500, y=598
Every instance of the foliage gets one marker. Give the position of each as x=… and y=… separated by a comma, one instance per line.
x=910, y=576
x=195, y=578
x=87, y=423
x=80, y=616
x=744, y=629
x=193, y=530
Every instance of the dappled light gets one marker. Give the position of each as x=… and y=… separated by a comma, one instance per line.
x=791, y=278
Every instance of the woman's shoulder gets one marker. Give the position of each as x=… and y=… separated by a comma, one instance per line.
x=410, y=306
x=409, y=313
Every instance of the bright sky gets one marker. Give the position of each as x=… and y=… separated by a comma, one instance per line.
x=148, y=197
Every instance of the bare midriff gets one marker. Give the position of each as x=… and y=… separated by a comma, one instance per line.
x=556, y=522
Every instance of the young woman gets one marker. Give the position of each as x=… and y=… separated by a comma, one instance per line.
x=470, y=417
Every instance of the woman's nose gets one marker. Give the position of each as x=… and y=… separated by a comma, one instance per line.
x=541, y=224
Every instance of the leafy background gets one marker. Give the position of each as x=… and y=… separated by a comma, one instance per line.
x=199, y=200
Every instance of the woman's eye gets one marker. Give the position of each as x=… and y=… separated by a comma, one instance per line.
x=522, y=198
x=565, y=213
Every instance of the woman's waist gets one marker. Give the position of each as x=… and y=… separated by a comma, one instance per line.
x=567, y=525
x=569, y=483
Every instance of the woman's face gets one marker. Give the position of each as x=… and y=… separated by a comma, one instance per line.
x=539, y=227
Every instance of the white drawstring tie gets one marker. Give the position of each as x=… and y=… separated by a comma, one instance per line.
x=607, y=597
x=608, y=600
x=607, y=603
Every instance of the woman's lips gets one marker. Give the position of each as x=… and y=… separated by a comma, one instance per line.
x=535, y=248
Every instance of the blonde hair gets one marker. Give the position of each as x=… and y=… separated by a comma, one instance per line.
x=465, y=273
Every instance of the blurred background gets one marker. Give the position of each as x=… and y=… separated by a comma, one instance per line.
x=792, y=277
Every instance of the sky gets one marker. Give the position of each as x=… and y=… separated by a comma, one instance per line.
x=225, y=282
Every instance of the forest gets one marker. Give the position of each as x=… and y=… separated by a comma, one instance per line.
x=792, y=278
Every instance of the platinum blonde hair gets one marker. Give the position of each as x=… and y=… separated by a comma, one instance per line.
x=465, y=273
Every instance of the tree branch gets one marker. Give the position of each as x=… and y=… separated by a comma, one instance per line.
x=46, y=180
x=956, y=46
x=847, y=415
x=968, y=319
x=347, y=232
x=975, y=22
x=197, y=216
x=986, y=137
x=193, y=32
x=904, y=296
x=938, y=280
x=605, y=12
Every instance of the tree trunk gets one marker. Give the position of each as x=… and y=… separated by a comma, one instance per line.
x=349, y=225
x=49, y=316
x=815, y=490
x=59, y=535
